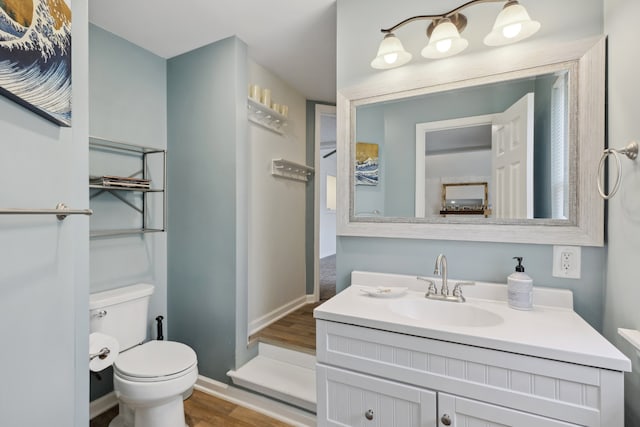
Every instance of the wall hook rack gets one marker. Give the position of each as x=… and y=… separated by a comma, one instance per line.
x=290, y=170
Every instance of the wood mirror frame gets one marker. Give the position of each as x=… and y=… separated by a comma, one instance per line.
x=586, y=59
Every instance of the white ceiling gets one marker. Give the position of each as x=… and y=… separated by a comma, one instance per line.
x=295, y=39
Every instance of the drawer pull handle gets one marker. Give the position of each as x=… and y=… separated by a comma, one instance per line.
x=369, y=414
x=446, y=420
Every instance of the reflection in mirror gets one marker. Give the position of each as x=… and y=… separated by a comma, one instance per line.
x=513, y=135
x=465, y=198
x=567, y=83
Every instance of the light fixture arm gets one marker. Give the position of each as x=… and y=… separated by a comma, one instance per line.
x=448, y=14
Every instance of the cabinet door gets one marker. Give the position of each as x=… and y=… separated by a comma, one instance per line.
x=349, y=399
x=456, y=411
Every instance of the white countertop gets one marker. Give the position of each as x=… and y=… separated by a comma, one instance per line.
x=552, y=331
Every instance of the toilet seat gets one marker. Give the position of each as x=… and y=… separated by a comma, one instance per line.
x=155, y=361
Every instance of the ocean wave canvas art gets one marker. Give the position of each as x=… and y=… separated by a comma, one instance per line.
x=35, y=56
x=366, y=163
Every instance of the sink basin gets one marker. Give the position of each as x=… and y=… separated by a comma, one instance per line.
x=445, y=313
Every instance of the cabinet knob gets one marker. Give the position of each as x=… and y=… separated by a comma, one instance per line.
x=446, y=420
x=369, y=414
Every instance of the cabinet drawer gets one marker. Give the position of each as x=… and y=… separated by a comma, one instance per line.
x=350, y=399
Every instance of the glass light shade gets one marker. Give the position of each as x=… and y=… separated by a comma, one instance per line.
x=512, y=25
x=444, y=41
x=391, y=54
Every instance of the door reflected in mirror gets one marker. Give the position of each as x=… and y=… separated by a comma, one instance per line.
x=512, y=135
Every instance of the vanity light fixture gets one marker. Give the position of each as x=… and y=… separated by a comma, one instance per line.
x=391, y=53
x=444, y=41
x=512, y=25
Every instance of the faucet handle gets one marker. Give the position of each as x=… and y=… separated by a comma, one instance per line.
x=457, y=289
x=432, y=285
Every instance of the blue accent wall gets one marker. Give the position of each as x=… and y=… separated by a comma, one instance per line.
x=206, y=91
x=489, y=262
x=127, y=103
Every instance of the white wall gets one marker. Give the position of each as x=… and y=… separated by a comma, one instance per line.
x=277, y=268
x=623, y=288
x=44, y=267
x=328, y=166
x=359, y=38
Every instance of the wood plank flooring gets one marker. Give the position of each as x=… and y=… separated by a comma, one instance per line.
x=296, y=331
x=204, y=410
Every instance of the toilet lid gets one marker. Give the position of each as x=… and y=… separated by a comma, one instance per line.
x=155, y=359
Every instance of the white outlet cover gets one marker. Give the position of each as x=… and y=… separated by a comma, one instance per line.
x=567, y=262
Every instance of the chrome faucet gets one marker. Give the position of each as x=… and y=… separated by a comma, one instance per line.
x=443, y=295
x=441, y=270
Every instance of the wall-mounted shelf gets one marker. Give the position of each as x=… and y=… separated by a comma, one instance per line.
x=121, y=148
x=266, y=117
x=290, y=170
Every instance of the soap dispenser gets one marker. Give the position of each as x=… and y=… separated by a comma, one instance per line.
x=520, y=288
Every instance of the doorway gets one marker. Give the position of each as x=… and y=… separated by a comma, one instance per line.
x=325, y=202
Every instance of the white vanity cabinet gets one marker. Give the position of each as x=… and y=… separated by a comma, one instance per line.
x=398, y=379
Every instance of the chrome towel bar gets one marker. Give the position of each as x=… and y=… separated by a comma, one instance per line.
x=61, y=211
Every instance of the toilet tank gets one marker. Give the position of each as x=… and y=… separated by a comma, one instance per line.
x=121, y=313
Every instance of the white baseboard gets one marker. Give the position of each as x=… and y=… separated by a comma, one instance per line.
x=264, y=405
x=102, y=404
x=277, y=314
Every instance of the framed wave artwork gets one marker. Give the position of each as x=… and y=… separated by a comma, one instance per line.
x=366, y=170
x=35, y=56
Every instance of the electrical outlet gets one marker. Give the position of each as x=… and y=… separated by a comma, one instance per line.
x=566, y=262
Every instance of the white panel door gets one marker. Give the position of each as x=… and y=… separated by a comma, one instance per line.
x=455, y=411
x=512, y=160
x=349, y=399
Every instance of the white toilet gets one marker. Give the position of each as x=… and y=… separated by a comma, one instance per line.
x=150, y=379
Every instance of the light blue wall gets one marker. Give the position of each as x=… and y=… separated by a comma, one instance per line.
x=44, y=265
x=490, y=262
x=207, y=90
x=128, y=103
x=478, y=261
x=623, y=289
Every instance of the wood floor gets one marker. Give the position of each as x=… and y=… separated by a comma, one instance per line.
x=296, y=331
x=203, y=410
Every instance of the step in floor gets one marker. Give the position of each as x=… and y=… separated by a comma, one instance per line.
x=282, y=374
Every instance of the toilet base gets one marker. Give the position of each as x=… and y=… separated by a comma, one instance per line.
x=168, y=414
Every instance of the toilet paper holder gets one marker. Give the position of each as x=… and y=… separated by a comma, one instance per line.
x=102, y=354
